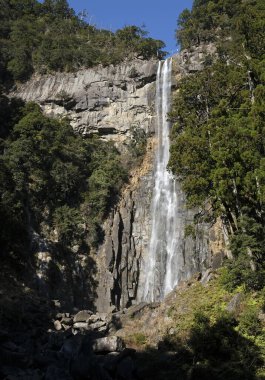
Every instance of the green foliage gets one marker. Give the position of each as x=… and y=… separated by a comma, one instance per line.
x=52, y=177
x=67, y=222
x=138, y=142
x=49, y=36
x=215, y=20
x=249, y=323
x=138, y=339
x=238, y=272
x=218, y=146
x=211, y=342
x=190, y=231
x=220, y=352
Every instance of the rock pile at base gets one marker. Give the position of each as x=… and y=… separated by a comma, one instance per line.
x=76, y=347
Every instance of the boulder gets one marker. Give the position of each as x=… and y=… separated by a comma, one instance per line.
x=234, y=303
x=97, y=325
x=67, y=321
x=57, y=325
x=81, y=326
x=82, y=316
x=94, y=318
x=108, y=344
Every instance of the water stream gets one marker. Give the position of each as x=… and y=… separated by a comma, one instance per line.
x=165, y=249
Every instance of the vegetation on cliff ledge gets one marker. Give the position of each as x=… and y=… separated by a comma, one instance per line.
x=49, y=36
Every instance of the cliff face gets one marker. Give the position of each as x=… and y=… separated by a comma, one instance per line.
x=127, y=234
x=123, y=257
x=109, y=102
x=104, y=100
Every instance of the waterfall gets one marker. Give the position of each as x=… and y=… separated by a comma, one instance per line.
x=165, y=248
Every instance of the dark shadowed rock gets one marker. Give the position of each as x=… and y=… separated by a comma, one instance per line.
x=72, y=346
x=55, y=373
x=67, y=321
x=126, y=369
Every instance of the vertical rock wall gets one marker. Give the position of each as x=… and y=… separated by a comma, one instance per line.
x=123, y=257
x=127, y=234
x=109, y=101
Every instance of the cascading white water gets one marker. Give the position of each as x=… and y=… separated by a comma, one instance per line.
x=161, y=269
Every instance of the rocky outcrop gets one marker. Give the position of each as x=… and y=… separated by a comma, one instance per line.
x=107, y=101
x=192, y=60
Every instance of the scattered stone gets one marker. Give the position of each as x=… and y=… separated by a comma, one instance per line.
x=59, y=316
x=67, y=321
x=56, y=303
x=97, y=325
x=137, y=309
x=108, y=344
x=94, y=318
x=81, y=325
x=66, y=327
x=171, y=331
x=57, y=325
x=82, y=316
x=235, y=302
x=103, y=329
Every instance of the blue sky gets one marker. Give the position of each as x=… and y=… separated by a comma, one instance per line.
x=159, y=16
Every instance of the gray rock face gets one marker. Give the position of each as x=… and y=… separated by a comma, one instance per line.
x=103, y=100
x=127, y=233
x=192, y=60
x=122, y=257
x=110, y=101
